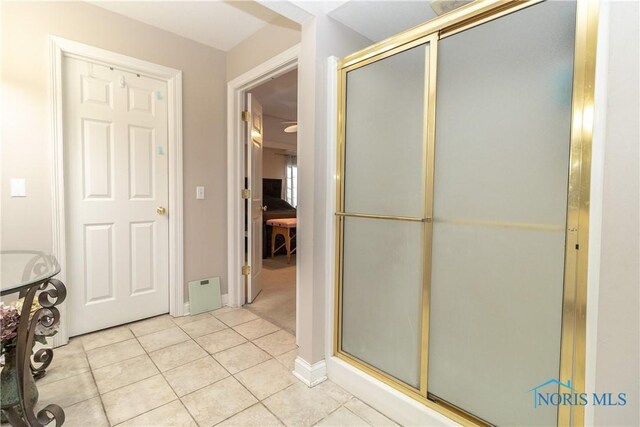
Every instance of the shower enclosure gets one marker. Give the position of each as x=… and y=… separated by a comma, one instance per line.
x=462, y=211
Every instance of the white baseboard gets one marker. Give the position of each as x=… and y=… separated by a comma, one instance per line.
x=58, y=340
x=224, y=298
x=311, y=375
x=395, y=405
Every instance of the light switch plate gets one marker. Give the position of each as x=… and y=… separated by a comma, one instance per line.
x=18, y=187
x=200, y=192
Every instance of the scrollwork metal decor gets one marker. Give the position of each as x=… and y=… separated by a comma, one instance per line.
x=52, y=293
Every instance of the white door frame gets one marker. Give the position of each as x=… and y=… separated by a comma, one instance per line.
x=59, y=48
x=274, y=67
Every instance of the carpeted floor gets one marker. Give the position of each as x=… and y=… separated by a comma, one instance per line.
x=277, y=301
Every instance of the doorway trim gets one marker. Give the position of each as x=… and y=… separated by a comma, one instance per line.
x=58, y=49
x=236, y=88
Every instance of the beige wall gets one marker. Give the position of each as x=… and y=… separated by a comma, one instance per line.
x=278, y=36
x=26, y=145
x=274, y=164
x=322, y=37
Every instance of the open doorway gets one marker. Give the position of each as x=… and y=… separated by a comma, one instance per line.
x=270, y=210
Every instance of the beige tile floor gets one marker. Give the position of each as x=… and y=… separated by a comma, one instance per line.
x=228, y=367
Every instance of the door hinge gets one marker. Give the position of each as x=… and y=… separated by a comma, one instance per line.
x=246, y=270
x=246, y=116
x=246, y=193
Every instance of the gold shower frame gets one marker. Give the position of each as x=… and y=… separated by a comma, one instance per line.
x=573, y=338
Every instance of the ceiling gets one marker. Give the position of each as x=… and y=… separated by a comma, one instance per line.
x=377, y=20
x=219, y=24
x=279, y=100
x=279, y=96
x=223, y=24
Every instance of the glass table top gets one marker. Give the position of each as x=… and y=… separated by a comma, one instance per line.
x=21, y=269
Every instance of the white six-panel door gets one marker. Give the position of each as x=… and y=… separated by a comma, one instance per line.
x=116, y=187
x=254, y=150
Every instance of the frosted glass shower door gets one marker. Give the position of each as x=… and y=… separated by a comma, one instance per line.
x=503, y=122
x=382, y=214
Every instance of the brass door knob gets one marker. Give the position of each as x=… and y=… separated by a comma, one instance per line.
x=161, y=210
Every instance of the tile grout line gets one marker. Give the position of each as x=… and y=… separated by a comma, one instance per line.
x=113, y=363
x=146, y=353
x=122, y=386
x=270, y=411
x=271, y=357
x=374, y=409
x=329, y=414
x=107, y=345
x=229, y=348
x=118, y=388
x=247, y=340
x=104, y=409
x=123, y=326
x=180, y=366
x=179, y=398
x=241, y=323
x=342, y=406
x=359, y=416
x=94, y=383
x=146, y=412
x=259, y=401
x=222, y=366
x=63, y=379
x=84, y=336
x=91, y=369
x=208, y=354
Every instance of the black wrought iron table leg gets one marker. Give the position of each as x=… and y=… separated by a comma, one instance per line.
x=47, y=316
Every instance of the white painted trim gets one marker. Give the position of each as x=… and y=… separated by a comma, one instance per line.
x=224, y=299
x=278, y=65
x=330, y=202
x=58, y=228
x=289, y=10
x=596, y=204
x=311, y=375
x=124, y=62
x=58, y=48
x=392, y=403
